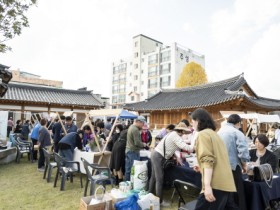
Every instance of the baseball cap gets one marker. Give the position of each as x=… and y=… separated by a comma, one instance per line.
x=141, y=119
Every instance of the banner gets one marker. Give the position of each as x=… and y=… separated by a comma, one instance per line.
x=3, y=124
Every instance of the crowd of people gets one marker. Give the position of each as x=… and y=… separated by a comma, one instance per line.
x=222, y=156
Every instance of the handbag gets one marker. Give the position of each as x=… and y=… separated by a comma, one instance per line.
x=167, y=163
x=261, y=173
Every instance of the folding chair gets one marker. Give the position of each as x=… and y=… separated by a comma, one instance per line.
x=186, y=191
x=103, y=175
x=66, y=171
x=49, y=165
x=23, y=147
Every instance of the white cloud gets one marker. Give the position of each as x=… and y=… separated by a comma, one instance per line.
x=263, y=64
x=187, y=27
x=229, y=26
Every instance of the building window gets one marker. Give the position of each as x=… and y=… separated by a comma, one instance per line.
x=136, y=55
x=136, y=44
x=152, y=83
x=165, y=68
x=130, y=74
x=115, y=70
x=142, y=82
x=122, y=78
x=135, y=88
x=135, y=77
x=136, y=65
x=165, y=81
x=121, y=98
x=122, y=88
x=152, y=71
x=115, y=89
x=165, y=56
x=153, y=59
x=132, y=98
x=115, y=99
x=142, y=71
x=142, y=93
x=143, y=60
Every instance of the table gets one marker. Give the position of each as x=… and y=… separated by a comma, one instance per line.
x=92, y=157
x=184, y=173
x=258, y=194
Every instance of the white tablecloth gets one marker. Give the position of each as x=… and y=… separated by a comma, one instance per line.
x=145, y=153
x=92, y=157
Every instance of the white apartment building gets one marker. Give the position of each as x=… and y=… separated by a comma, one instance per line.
x=152, y=67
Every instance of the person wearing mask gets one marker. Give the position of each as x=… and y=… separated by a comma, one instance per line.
x=56, y=131
x=25, y=130
x=34, y=138
x=216, y=175
x=238, y=152
x=10, y=126
x=261, y=155
x=68, y=143
x=172, y=142
x=115, y=136
x=44, y=140
x=133, y=145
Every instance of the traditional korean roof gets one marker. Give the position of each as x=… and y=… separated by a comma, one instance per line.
x=27, y=93
x=204, y=96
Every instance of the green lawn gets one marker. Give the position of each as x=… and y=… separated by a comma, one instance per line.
x=23, y=187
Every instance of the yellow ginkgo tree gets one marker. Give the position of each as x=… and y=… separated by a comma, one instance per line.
x=191, y=75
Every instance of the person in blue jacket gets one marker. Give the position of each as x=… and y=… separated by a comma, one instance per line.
x=34, y=137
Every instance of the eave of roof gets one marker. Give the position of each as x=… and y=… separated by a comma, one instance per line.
x=36, y=94
x=202, y=96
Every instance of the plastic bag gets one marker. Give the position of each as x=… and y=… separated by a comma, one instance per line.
x=130, y=203
x=140, y=175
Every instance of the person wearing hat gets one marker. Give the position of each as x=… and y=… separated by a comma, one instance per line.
x=238, y=153
x=133, y=145
x=173, y=141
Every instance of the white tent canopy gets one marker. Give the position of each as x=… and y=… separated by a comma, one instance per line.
x=260, y=118
x=107, y=112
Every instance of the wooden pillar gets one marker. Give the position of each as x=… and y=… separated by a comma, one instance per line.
x=22, y=113
x=166, y=120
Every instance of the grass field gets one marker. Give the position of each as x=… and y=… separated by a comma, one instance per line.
x=23, y=187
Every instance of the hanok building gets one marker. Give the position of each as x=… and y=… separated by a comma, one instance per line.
x=172, y=105
x=24, y=99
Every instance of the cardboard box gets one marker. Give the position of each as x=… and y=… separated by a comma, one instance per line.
x=105, y=203
x=115, y=200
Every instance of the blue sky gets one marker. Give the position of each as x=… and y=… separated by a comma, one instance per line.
x=77, y=41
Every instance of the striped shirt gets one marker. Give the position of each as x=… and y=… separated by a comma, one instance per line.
x=173, y=142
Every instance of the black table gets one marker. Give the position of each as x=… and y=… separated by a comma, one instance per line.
x=184, y=173
x=258, y=194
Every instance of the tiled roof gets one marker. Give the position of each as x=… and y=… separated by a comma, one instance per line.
x=20, y=92
x=202, y=96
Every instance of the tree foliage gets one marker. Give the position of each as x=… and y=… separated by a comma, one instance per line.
x=12, y=20
x=191, y=75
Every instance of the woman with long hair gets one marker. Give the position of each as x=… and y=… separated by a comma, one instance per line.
x=213, y=164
